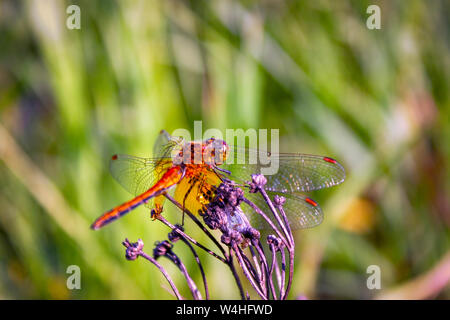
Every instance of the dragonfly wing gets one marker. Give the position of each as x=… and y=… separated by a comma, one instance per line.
x=285, y=172
x=160, y=143
x=302, y=212
x=165, y=145
x=137, y=174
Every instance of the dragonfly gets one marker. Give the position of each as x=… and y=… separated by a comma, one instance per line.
x=194, y=170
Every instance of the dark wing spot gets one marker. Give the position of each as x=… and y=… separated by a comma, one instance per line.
x=311, y=202
x=331, y=160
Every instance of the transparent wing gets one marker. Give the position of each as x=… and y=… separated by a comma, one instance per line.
x=137, y=174
x=166, y=144
x=161, y=143
x=285, y=172
x=302, y=212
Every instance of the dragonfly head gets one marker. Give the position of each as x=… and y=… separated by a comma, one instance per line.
x=215, y=151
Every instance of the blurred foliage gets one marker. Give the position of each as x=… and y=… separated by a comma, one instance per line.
x=377, y=100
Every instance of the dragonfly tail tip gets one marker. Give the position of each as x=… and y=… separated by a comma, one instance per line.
x=94, y=226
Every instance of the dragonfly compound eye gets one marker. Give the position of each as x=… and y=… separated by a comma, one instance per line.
x=220, y=151
x=213, y=151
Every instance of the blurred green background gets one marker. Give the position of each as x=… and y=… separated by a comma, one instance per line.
x=377, y=100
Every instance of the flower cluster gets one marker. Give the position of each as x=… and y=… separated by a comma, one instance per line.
x=265, y=269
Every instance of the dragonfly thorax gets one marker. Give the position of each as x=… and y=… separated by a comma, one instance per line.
x=209, y=152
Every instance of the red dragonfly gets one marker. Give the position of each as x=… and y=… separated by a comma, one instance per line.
x=195, y=169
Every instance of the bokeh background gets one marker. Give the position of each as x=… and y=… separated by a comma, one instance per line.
x=377, y=100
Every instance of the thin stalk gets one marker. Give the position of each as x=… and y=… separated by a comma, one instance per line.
x=197, y=259
x=181, y=233
x=197, y=222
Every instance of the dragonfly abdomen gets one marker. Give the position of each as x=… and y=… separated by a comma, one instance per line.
x=169, y=179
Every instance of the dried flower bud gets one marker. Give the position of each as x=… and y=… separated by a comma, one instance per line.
x=271, y=239
x=174, y=236
x=252, y=234
x=232, y=237
x=213, y=217
x=133, y=249
x=162, y=248
x=225, y=239
x=275, y=241
x=258, y=182
x=279, y=200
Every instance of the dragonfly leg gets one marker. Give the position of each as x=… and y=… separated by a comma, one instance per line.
x=195, y=181
x=220, y=175
x=222, y=170
x=156, y=212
